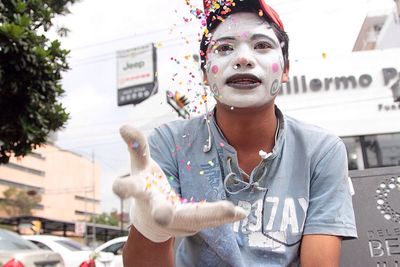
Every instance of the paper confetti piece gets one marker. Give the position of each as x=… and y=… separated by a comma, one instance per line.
x=135, y=145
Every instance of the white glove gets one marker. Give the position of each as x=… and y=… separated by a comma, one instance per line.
x=158, y=212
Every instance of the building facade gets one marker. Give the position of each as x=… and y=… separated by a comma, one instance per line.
x=356, y=96
x=69, y=184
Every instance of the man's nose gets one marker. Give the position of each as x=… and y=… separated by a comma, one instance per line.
x=244, y=60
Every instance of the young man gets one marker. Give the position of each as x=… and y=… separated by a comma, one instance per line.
x=287, y=180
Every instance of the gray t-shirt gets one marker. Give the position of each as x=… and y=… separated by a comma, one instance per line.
x=302, y=188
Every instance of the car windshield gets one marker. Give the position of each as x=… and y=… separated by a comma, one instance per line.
x=12, y=241
x=71, y=245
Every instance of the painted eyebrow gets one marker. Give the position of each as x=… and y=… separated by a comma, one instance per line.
x=227, y=38
x=263, y=36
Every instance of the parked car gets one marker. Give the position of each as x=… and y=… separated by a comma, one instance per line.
x=114, y=246
x=18, y=252
x=73, y=253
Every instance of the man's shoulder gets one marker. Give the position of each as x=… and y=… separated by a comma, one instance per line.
x=181, y=124
x=304, y=128
x=310, y=136
x=176, y=128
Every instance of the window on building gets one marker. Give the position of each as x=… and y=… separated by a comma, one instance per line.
x=25, y=169
x=354, y=153
x=382, y=150
x=372, y=151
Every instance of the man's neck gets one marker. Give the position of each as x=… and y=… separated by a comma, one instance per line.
x=248, y=130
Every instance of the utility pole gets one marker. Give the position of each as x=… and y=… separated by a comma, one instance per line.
x=94, y=199
x=122, y=195
x=122, y=215
x=85, y=215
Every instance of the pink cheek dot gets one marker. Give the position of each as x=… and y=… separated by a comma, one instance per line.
x=275, y=67
x=214, y=69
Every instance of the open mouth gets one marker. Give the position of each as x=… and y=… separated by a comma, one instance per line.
x=243, y=81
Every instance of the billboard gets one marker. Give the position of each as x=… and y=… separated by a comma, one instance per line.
x=136, y=74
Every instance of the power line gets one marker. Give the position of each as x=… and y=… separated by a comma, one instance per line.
x=112, y=55
x=136, y=35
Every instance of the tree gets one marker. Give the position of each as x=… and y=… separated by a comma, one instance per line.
x=30, y=74
x=18, y=202
x=107, y=219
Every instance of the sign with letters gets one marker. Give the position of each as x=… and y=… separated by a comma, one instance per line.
x=377, y=210
x=136, y=74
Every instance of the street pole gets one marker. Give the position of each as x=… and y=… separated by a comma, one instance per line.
x=86, y=218
x=122, y=215
x=94, y=200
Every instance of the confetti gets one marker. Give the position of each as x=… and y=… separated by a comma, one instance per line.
x=135, y=145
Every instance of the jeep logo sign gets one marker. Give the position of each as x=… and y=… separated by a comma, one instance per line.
x=136, y=70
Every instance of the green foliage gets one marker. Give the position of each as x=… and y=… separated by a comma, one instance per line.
x=108, y=218
x=30, y=75
x=18, y=202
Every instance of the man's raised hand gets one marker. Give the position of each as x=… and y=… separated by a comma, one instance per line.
x=158, y=212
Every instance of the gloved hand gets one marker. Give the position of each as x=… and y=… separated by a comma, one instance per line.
x=158, y=212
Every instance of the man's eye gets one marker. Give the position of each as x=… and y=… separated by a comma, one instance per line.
x=262, y=45
x=224, y=49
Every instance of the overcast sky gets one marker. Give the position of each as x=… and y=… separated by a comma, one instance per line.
x=99, y=28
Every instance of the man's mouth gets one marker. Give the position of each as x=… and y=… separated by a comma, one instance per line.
x=243, y=81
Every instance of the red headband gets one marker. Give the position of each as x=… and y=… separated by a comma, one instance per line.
x=209, y=5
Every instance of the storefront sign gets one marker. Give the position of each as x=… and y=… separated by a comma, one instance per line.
x=390, y=76
x=377, y=210
x=374, y=69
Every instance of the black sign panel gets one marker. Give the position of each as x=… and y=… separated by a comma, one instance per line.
x=377, y=210
x=136, y=94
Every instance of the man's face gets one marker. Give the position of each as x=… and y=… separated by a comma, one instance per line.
x=245, y=64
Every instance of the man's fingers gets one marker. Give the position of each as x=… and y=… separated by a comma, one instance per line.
x=197, y=216
x=125, y=187
x=137, y=147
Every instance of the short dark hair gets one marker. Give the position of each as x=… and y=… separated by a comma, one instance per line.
x=215, y=18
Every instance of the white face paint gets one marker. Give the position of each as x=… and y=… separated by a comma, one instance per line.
x=245, y=62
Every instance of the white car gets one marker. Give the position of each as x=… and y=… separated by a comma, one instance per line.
x=17, y=252
x=73, y=253
x=114, y=246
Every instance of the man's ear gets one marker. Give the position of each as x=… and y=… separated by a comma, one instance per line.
x=285, y=74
